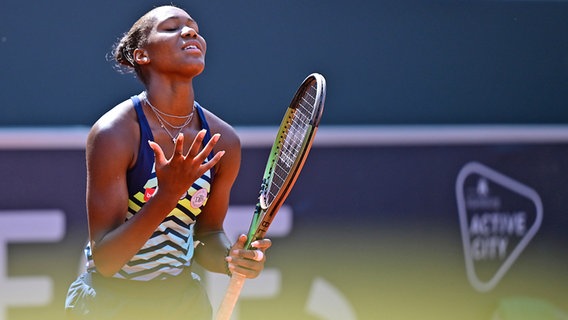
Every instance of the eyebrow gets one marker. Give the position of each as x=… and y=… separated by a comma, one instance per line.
x=180, y=18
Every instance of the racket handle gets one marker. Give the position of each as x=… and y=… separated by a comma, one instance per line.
x=231, y=296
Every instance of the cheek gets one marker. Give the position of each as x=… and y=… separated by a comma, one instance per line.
x=157, y=48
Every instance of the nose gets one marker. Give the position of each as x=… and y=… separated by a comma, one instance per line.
x=188, y=32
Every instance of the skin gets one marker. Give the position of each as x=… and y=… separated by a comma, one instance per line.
x=173, y=55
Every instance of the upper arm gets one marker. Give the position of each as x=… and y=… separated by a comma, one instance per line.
x=108, y=155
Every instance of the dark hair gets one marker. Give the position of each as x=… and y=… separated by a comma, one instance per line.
x=136, y=37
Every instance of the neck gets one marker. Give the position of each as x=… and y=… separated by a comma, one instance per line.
x=173, y=99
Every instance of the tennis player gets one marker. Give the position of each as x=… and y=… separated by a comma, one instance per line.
x=160, y=169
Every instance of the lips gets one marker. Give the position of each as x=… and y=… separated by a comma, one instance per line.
x=190, y=46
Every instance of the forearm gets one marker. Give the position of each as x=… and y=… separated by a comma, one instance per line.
x=118, y=246
x=212, y=251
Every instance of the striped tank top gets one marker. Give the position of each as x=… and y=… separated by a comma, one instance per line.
x=170, y=248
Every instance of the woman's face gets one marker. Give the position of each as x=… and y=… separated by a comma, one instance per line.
x=174, y=44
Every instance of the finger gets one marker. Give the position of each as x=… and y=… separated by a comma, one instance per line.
x=244, y=265
x=235, y=250
x=158, y=152
x=261, y=244
x=201, y=156
x=248, y=264
x=257, y=255
x=211, y=163
x=212, y=142
x=237, y=270
x=238, y=246
x=241, y=240
x=196, y=144
x=178, y=148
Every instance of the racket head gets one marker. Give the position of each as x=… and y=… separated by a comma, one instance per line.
x=302, y=118
x=294, y=139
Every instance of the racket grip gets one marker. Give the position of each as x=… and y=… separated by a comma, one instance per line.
x=231, y=296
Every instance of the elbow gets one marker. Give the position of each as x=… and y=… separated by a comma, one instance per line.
x=105, y=268
x=106, y=272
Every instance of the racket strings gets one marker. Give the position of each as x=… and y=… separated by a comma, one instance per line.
x=298, y=125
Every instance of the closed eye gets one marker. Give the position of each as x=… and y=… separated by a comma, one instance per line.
x=172, y=28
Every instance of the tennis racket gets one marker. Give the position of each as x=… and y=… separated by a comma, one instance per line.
x=285, y=161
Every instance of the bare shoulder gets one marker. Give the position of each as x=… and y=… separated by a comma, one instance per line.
x=116, y=132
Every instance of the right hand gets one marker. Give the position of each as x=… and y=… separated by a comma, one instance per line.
x=177, y=174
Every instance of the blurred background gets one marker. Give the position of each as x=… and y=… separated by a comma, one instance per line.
x=388, y=220
x=387, y=62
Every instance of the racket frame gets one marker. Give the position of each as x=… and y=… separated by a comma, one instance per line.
x=264, y=213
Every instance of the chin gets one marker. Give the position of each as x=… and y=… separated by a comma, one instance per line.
x=193, y=70
x=198, y=72
x=198, y=68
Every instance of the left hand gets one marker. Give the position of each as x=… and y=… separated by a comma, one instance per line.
x=248, y=263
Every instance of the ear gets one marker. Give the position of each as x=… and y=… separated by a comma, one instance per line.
x=141, y=56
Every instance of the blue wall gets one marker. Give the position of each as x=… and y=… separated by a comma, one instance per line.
x=387, y=62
